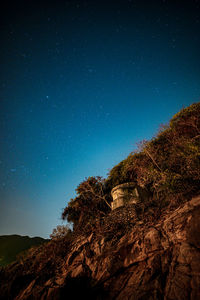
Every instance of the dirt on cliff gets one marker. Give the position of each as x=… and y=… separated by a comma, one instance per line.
x=138, y=259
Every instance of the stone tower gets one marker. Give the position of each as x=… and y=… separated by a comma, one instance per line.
x=125, y=193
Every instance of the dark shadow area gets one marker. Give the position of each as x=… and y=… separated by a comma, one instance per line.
x=83, y=287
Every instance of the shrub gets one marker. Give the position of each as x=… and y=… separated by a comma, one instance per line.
x=91, y=202
x=60, y=231
x=169, y=164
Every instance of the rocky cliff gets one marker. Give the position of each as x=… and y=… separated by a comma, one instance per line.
x=150, y=260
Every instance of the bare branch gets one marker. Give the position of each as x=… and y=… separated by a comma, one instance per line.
x=155, y=163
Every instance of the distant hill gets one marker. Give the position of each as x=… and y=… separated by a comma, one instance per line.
x=12, y=245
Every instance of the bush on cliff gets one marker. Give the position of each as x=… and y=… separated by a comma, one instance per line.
x=91, y=202
x=168, y=166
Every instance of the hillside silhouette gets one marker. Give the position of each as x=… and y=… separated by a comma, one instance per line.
x=12, y=246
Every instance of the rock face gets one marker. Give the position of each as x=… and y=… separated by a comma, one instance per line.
x=160, y=260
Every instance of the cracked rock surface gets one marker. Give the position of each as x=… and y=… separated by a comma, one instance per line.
x=157, y=261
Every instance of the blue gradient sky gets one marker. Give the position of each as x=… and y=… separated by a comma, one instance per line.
x=81, y=83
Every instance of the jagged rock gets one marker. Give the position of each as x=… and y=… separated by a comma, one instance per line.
x=160, y=260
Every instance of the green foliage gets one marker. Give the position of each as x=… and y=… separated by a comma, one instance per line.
x=169, y=164
x=91, y=202
x=121, y=173
x=168, y=167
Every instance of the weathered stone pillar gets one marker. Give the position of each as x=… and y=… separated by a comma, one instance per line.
x=123, y=194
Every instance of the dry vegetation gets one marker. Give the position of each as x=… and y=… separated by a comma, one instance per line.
x=168, y=166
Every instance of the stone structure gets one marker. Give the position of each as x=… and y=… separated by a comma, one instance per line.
x=125, y=193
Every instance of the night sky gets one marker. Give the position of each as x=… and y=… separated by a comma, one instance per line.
x=81, y=83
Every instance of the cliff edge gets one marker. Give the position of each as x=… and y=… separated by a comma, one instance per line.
x=151, y=260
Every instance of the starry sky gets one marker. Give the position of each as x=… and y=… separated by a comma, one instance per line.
x=81, y=83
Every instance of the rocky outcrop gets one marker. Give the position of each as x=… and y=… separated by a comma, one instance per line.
x=160, y=260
